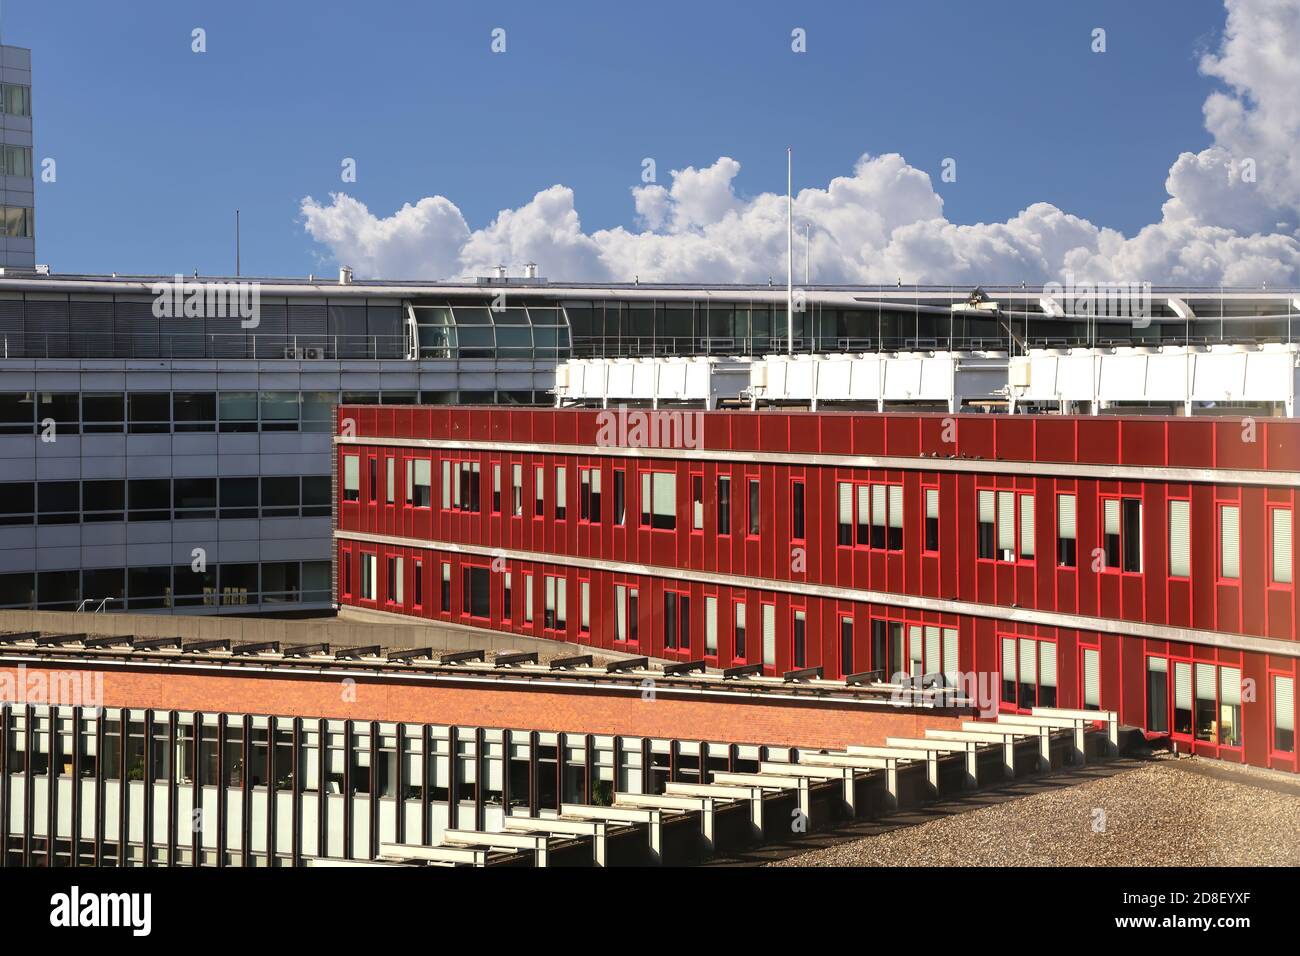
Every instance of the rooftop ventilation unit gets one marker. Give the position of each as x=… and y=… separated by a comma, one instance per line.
x=345, y=275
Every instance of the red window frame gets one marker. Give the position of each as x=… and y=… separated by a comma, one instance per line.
x=558, y=627
x=718, y=603
x=858, y=545
x=361, y=597
x=343, y=470
x=926, y=488
x=842, y=618
x=1191, y=738
x=796, y=609
x=795, y=536
x=1000, y=487
x=558, y=469
x=678, y=646
x=417, y=584
x=390, y=579
x=589, y=506
x=1014, y=707
x=739, y=658
x=584, y=584
x=498, y=494
x=465, y=568
x=1231, y=501
x=750, y=481
x=1121, y=497
x=1270, y=583
x=723, y=475
x=630, y=587
x=455, y=463
x=695, y=485
x=345, y=579
x=645, y=509
x=1269, y=673
x=1169, y=537
x=409, y=468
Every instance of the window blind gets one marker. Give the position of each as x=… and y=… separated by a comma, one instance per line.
x=932, y=502
x=1027, y=656
x=710, y=625
x=1091, y=677
x=1230, y=541
x=1283, y=702
x=1112, y=515
x=987, y=507
x=1006, y=522
x=878, y=505
x=1230, y=686
x=1026, y=526
x=895, y=506
x=1180, y=525
x=950, y=662
x=1282, y=546
x=665, y=494
x=769, y=634
x=1008, y=659
x=933, y=663
x=620, y=612
x=1065, y=517
x=1047, y=663
x=1205, y=675
x=1182, y=686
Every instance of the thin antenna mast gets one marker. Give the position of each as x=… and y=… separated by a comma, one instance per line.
x=789, y=250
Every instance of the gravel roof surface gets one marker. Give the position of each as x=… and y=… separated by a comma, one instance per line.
x=1154, y=815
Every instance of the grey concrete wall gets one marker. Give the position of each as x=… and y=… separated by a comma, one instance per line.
x=354, y=629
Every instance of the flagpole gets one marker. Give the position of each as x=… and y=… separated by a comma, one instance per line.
x=789, y=250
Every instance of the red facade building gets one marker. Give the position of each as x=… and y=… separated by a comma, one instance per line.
x=1140, y=564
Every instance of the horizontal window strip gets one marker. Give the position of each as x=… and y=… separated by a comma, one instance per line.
x=1135, y=629
x=1062, y=469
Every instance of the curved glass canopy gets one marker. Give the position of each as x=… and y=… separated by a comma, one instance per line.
x=526, y=332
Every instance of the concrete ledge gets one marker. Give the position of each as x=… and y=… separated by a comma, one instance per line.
x=353, y=628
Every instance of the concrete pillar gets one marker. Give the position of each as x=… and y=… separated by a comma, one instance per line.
x=891, y=785
x=850, y=792
x=932, y=772
x=1009, y=757
x=971, y=780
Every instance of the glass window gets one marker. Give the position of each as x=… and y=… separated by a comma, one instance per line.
x=103, y=412
x=17, y=413
x=1180, y=539
x=59, y=502
x=63, y=409
x=237, y=411
x=279, y=411
x=280, y=497
x=17, y=502
x=1283, y=714
x=755, y=515
x=664, y=492
x=195, y=411
x=1229, y=542
x=317, y=411
x=1157, y=695
x=195, y=497
x=149, y=499
x=238, y=497
x=1282, y=553
x=351, y=478
x=150, y=413
x=1066, y=538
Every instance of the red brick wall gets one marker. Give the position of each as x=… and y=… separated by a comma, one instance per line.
x=776, y=722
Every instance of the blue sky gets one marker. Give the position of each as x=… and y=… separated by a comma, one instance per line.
x=157, y=145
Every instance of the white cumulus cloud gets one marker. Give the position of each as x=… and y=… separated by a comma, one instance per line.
x=1232, y=217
